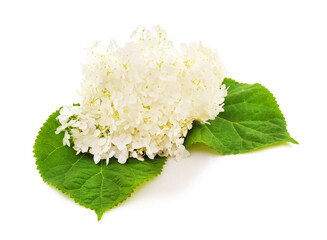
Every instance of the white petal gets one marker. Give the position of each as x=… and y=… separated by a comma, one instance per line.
x=97, y=159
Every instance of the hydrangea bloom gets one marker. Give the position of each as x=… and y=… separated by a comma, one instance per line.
x=141, y=99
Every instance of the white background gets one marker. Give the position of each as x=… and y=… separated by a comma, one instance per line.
x=276, y=193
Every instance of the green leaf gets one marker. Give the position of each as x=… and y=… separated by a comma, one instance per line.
x=99, y=187
x=251, y=120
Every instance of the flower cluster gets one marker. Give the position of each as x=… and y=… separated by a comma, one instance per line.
x=141, y=99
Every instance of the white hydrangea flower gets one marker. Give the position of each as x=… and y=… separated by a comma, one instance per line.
x=141, y=99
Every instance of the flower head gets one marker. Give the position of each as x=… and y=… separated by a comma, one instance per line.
x=141, y=99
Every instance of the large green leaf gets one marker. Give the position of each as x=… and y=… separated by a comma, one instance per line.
x=96, y=186
x=251, y=120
